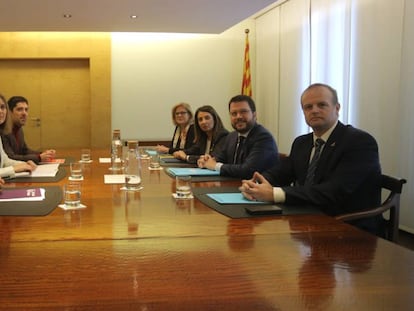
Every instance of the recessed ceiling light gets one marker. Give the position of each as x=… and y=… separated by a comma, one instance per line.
x=133, y=16
x=67, y=15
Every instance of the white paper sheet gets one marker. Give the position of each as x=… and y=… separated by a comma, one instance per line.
x=46, y=170
x=114, y=179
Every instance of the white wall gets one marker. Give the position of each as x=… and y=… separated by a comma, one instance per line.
x=405, y=154
x=381, y=75
x=153, y=72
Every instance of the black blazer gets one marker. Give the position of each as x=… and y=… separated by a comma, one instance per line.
x=347, y=178
x=189, y=140
x=259, y=152
x=199, y=148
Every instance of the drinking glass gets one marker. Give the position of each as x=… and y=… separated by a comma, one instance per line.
x=183, y=187
x=85, y=155
x=76, y=170
x=72, y=194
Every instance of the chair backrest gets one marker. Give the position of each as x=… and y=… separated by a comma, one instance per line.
x=391, y=203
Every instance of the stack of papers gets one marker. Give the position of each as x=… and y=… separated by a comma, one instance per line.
x=46, y=170
x=33, y=194
x=60, y=161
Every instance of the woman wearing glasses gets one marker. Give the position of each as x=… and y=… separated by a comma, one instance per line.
x=209, y=135
x=183, y=137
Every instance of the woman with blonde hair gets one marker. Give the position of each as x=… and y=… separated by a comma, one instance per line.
x=9, y=167
x=183, y=137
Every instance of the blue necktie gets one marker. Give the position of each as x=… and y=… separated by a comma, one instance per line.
x=310, y=175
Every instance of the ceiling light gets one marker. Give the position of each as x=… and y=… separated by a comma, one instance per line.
x=67, y=15
x=133, y=16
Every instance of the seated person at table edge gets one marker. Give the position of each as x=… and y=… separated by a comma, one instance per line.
x=209, y=135
x=9, y=167
x=14, y=143
x=249, y=148
x=183, y=137
x=346, y=176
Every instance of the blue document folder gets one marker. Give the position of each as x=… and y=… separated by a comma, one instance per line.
x=233, y=198
x=184, y=171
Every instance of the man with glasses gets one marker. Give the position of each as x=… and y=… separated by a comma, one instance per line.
x=248, y=149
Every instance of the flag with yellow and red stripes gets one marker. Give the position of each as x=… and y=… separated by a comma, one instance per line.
x=246, y=83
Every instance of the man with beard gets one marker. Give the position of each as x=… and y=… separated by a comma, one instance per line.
x=14, y=143
x=250, y=148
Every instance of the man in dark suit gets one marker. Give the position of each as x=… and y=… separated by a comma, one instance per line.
x=249, y=148
x=345, y=178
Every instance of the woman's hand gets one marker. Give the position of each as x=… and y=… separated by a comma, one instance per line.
x=162, y=149
x=180, y=155
x=28, y=166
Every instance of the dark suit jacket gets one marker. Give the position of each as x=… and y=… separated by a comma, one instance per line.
x=199, y=148
x=19, y=151
x=347, y=178
x=259, y=152
x=189, y=140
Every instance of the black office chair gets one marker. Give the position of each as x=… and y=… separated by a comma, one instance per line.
x=391, y=204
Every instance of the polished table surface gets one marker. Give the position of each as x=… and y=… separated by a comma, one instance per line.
x=146, y=251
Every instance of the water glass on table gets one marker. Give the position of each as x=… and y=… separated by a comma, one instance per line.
x=76, y=171
x=155, y=161
x=85, y=155
x=183, y=187
x=72, y=194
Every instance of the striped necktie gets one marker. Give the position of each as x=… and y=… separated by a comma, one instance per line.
x=310, y=175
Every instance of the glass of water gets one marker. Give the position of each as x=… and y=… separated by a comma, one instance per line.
x=85, y=155
x=183, y=187
x=72, y=194
x=155, y=161
x=76, y=169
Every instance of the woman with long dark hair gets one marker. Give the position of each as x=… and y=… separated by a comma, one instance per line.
x=208, y=137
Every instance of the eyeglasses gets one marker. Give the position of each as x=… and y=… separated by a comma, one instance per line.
x=179, y=113
x=243, y=112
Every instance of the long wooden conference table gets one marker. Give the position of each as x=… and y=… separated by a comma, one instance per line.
x=146, y=251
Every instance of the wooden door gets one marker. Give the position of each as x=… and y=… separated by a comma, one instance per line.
x=58, y=91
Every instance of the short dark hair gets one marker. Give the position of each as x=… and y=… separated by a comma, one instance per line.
x=12, y=102
x=328, y=87
x=243, y=98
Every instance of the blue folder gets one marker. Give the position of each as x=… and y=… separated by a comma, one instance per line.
x=184, y=171
x=233, y=198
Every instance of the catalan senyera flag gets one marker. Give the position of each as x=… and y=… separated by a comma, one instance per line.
x=246, y=83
